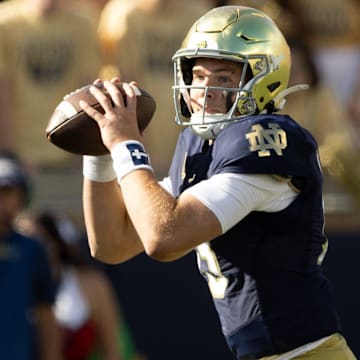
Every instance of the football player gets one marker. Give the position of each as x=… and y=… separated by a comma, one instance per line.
x=244, y=190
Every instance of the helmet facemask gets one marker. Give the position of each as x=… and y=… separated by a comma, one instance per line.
x=239, y=100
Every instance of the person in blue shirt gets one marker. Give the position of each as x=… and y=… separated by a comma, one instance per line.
x=27, y=328
x=244, y=190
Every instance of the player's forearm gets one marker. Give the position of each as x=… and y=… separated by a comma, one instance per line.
x=168, y=227
x=111, y=236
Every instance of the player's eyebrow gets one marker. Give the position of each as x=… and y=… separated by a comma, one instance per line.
x=230, y=70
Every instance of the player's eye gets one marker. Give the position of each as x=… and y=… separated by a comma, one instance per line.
x=198, y=78
x=226, y=81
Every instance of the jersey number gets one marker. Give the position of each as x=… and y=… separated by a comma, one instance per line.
x=217, y=282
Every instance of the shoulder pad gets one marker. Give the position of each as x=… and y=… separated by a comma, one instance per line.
x=266, y=144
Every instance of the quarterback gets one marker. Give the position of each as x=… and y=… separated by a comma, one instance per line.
x=244, y=190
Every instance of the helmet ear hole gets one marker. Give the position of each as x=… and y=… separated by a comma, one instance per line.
x=272, y=87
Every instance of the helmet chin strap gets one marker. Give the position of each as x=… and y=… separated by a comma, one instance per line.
x=207, y=126
x=208, y=132
x=279, y=100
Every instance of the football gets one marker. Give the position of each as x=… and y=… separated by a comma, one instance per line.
x=72, y=130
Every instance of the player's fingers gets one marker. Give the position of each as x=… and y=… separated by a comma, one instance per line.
x=116, y=80
x=93, y=113
x=131, y=92
x=101, y=97
x=115, y=93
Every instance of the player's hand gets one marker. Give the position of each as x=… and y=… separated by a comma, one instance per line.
x=118, y=123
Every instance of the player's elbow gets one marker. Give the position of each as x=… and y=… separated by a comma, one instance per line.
x=162, y=249
x=104, y=257
x=164, y=256
x=109, y=255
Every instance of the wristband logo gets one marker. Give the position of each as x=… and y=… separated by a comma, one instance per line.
x=138, y=154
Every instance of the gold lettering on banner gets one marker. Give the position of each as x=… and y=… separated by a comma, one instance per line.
x=264, y=140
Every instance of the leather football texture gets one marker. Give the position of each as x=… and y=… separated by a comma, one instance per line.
x=72, y=130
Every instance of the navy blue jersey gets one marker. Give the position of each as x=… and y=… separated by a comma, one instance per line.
x=264, y=273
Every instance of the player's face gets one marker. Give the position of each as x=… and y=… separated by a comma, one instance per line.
x=214, y=73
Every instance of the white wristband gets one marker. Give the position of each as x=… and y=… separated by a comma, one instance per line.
x=129, y=156
x=98, y=168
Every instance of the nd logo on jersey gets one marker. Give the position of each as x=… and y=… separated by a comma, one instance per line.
x=263, y=140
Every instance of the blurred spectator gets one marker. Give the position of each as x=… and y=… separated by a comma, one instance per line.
x=91, y=7
x=332, y=30
x=319, y=110
x=46, y=50
x=28, y=329
x=85, y=307
x=139, y=37
x=354, y=112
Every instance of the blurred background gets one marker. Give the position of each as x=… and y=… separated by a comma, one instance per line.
x=51, y=47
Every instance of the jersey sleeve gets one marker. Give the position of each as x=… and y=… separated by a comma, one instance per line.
x=237, y=195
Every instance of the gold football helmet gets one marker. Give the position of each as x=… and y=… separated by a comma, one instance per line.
x=240, y=34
